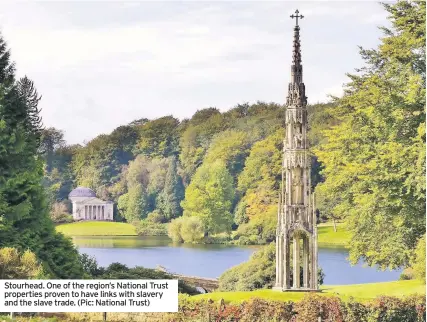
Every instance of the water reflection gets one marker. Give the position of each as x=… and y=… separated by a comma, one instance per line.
x=213, y=260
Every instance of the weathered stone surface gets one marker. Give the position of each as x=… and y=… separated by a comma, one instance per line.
x=296, y=217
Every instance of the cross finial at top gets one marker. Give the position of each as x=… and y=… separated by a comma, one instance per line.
x=296, y=16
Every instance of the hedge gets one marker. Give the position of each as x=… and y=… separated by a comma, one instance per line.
x=309, y=309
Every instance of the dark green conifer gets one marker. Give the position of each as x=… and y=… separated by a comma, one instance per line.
x=25, y=223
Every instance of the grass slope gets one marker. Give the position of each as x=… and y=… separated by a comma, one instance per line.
x=328, y=237
x=97, y=228
x=359, y=292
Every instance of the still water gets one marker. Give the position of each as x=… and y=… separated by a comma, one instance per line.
x=213, y=260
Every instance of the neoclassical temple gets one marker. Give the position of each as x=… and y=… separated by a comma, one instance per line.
x=296, y=217
x=86, y=206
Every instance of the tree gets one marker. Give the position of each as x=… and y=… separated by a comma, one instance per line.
x=133, y=205
x=99, y=164
x=173, y=192
x=51, y=140
x=144, y=181
x=259, y=182
x=90, y=266
x=374, y=157
x=196, y=138
x=192, y=229
x=230, y=146
x=25, y=218
x=209, y=197
x=419, y=260
x=159, y=138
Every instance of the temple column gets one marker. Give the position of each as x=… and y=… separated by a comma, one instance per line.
x=85, y=216
x=296, y=262
x=306, y=262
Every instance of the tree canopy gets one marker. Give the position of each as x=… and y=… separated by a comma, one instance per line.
x=374, y=157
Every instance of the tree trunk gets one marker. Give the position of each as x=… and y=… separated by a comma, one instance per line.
x=335, y=224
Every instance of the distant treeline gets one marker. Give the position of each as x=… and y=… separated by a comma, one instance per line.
x=222, y=167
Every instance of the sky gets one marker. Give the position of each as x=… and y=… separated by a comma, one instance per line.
x=100, y=65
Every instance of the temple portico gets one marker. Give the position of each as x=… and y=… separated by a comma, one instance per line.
x=87, y=207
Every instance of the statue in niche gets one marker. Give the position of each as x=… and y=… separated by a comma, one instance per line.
x=297, y=186
x=289, y=136
x=300, y=215
x=297, y=93
x=298, y=138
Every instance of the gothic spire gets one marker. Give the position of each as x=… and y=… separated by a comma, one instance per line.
x=296, y=96
x=296, y=61
x=296, y=54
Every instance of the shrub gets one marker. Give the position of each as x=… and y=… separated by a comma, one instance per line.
x=16, y=265
x=147, y=228
x=419, y=261
x=390, y=309
x=264, y=310
x=258, y=272
x=59, y=213
x=309, y=309
x=192, y=229
x=174, y=230
x=222, y=238
x=312, y=308
x=405, y=277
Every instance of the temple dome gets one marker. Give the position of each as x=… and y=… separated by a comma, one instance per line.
x=82, y=192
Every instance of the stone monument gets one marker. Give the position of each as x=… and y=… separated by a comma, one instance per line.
x=296, y=217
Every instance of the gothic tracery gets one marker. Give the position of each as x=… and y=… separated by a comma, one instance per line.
x=296, y=219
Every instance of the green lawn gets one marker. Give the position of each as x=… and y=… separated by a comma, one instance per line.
x=328, y=237
x=97, y=228
x=357, y=291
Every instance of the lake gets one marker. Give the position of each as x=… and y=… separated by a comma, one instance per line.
x=213, y=260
